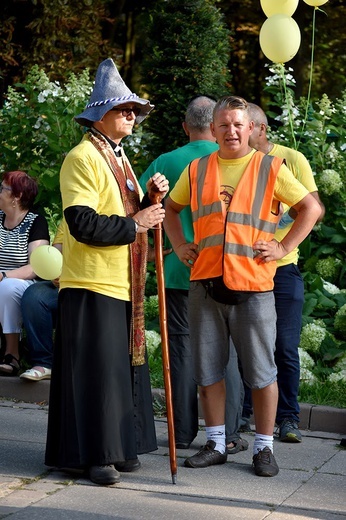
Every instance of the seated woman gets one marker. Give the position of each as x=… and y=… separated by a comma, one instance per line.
x=21, y=231
x=39, y=310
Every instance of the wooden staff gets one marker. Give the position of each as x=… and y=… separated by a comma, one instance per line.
x=158, y=243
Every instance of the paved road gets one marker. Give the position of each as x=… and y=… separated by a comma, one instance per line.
x=311, y=483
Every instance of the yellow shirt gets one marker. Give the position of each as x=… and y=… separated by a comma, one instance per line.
x=288, y=189
x=300, y=167
x=86, y=180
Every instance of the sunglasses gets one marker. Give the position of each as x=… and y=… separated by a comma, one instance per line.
x=4, y=188
x=126, y=111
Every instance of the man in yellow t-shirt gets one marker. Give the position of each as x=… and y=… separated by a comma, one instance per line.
x=250, y=322
x=288, y=285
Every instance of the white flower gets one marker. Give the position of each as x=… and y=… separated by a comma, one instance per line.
x=41, y=98
x=306, y=361
x=153, y=340
x=331, y=288
x=337, y=376
x=307, y=376
x=312, y=336
x=332, y=154
x=326, y=106
x=330, y=182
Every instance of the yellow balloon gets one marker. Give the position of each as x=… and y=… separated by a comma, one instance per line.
x=46, y=262
x=315, y=3
x=280, y=38
x=271, y=7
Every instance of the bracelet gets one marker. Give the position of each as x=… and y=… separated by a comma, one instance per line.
x=4, y=275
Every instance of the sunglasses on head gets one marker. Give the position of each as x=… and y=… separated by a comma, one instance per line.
x=126, y=111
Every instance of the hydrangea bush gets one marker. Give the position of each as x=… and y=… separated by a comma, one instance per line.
x=318, y=130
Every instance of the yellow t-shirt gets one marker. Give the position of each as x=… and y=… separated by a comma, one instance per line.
x=86, y=180
x=300, y=167
x=287, y=189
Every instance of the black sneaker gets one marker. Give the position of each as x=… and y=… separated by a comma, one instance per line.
x=104, y=475
x=289, y=431
x=207, y=456
x=265, y=463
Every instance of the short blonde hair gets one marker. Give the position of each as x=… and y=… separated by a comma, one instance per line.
x=231, y=103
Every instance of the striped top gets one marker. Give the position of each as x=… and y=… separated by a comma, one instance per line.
x=14, y=242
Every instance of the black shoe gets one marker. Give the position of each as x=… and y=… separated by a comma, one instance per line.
x=207, y=456
x=104, y=475
x=127, y=465
x=265, y=463
x=10, y=366
x=182, y=445
x=289, y=431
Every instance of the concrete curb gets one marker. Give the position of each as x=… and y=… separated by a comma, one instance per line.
x=312, y=417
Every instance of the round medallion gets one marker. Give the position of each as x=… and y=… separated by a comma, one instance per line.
x=130, y=185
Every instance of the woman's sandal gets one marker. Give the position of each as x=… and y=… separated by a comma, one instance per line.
x=9, y=366
x=36, y=373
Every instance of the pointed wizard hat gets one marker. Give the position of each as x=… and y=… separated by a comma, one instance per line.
x=110, y=91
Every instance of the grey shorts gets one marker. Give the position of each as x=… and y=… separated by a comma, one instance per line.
x=251, y=326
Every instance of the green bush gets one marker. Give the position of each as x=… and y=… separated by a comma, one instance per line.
x=38, y=130
x=186, y=53
x=318, y=130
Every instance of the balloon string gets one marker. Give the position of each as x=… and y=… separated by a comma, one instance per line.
x=311, y=73
x=289, y=108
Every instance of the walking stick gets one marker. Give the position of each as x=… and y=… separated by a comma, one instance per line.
x=158, y=243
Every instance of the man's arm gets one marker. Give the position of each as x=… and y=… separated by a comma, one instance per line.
x=308, y=211
x=186, y=252
x=293, y=214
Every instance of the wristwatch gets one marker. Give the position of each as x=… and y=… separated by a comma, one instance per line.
x=4, y=275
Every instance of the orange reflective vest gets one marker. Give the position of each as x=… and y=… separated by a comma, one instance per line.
x=225, y=238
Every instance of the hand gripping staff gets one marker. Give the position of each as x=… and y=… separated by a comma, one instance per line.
x=158, y=244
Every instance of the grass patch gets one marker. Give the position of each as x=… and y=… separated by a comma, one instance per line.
x=324, y=393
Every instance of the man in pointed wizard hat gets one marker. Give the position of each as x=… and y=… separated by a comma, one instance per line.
x=100, y=410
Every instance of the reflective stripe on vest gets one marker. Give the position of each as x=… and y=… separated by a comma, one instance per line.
x=223, y=238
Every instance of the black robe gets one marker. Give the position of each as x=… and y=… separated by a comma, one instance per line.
x=100, y=407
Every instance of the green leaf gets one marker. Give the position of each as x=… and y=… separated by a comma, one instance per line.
x=324, y=301
x=309, y=306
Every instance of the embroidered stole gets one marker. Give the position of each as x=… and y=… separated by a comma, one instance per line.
x=138, y=248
